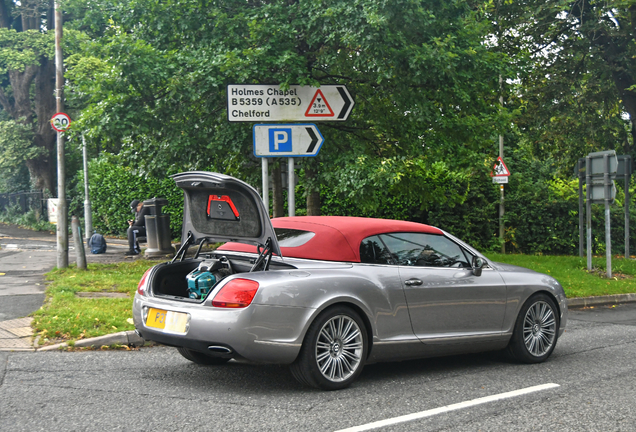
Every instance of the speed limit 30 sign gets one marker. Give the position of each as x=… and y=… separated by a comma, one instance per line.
x=61, y=122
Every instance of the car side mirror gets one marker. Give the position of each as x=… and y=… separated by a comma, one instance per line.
x=478, y=265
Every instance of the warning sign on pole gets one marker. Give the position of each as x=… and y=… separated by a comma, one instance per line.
x=499, y=169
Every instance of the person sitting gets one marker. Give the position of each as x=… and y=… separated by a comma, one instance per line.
x=137, y=227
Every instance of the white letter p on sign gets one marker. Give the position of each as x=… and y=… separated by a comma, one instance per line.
x=280, y=137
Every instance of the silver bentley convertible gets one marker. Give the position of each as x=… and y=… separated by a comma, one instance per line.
x=328, y=294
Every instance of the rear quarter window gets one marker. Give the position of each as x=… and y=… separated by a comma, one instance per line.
x=292, y=237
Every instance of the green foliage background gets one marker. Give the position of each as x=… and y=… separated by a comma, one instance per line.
x=146, y=87
x=113, y=186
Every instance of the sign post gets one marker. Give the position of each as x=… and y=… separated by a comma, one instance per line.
x=291, y=191
x=500, y=174
x=290, y=140
x=88, y=218
x=623, y=171
x=600, y=168
x=270, y=103
x=265, y=182
x=608, y=183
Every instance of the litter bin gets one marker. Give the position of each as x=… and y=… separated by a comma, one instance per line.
x=157, y=228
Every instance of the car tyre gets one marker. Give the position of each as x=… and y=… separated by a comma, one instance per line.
x=201, y=358
x=536, y=330
x=334, y=351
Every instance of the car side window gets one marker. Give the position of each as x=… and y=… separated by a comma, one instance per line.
x=373, y=251
x=425, y=250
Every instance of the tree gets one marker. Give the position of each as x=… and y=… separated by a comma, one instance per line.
x=27, y=83
x=425, y=85
x=576, y=62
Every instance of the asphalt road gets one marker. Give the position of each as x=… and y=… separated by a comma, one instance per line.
x=155, y=389
x=25, y=256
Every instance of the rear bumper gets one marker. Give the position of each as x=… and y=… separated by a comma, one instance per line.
x=258, y=333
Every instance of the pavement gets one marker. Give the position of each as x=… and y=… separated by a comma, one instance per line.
x=26, y=256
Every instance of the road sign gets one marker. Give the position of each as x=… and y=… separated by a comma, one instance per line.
x=499, y=170
x=500, y=179
x=625, y=167
x=287, y=140
x=597, y=162
x=61, y=122
x=598, y=191
x=261, y=102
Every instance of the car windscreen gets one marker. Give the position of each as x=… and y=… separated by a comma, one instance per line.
x=292, y=237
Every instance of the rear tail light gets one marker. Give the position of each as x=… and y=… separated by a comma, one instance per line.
x=141, y=288
x=237, y=293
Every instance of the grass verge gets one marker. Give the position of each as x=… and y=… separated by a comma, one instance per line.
x=67, y=317
x=572, y=274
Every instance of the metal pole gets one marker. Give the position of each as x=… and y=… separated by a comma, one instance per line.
x=502, y=228
x=608, y=238
x=581, y=212
x=291, y=198
x=627, y=164
x=588, y=210
x=62, y=207
x=88, y=218
x=265, y=173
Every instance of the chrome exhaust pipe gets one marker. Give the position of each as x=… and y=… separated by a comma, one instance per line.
x=220, y=349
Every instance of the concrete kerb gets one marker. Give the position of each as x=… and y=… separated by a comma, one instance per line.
x=601, y=300
x=128, y=338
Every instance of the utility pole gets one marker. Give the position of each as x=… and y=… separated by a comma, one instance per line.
x=502, y=230
x=62, y=207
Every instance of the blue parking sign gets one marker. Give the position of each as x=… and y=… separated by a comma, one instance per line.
x=280, y=140
x=287, y=140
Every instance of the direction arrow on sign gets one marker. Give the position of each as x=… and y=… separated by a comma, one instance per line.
x=287, y=140
x=260, y=102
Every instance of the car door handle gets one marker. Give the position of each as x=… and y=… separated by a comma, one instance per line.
x=411, y=282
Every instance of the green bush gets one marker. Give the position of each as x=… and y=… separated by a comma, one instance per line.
x=31, y=219
x=541, y=209
x=112, y=187
x=476, y=220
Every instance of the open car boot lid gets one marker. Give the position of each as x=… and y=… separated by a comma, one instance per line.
x=220, y=208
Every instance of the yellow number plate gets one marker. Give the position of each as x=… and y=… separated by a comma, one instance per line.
x=168, y=321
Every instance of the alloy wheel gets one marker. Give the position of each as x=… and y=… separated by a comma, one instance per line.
x=339, y=348
x=539, y=328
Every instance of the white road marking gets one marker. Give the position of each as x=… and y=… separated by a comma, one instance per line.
x=447, y=408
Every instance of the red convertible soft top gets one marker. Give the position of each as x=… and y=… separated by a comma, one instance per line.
x=337, y=237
